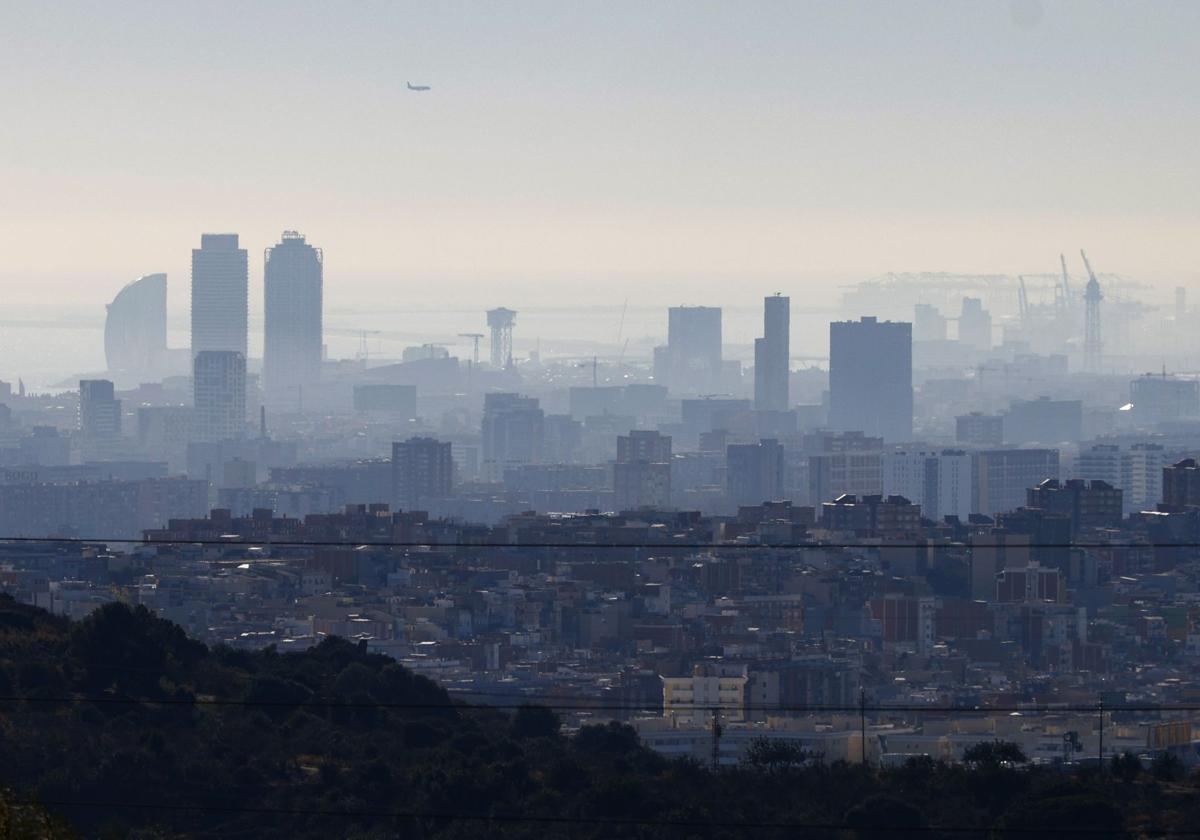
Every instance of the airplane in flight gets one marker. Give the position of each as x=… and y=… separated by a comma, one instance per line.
x=411, y=86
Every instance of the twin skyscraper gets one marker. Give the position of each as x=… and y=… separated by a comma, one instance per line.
x=292, y=285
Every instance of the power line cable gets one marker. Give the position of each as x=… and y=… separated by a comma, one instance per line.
x=460, y=816
x=558, y=704
x=242, y=542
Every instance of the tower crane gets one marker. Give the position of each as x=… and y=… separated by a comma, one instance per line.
x=1023, y=305
x=475, y=338
x=1066, y=283
x=1092, y=345
x=1088, y=266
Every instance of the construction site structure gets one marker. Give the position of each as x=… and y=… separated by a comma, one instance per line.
x=475, y=341
x=500, y=321
x=1093, y=346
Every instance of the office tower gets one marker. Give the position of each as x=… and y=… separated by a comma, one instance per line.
x=219, y=294
x=1003, y=475
x=870, y=378
x=975, y=325
x=513, y=432
x=99, y=412
x=691, y=360
x=642, y=472
x=928, y=323
x=422, y=470
x=979, y=428
x=771, y=355
x=292, y=293
x=940, y=481
x=135, y=330
x=754, y=472
x=219, y=395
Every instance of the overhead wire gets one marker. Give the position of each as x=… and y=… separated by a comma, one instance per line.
x=647, y=822
x=562, y=704
x=244, y=542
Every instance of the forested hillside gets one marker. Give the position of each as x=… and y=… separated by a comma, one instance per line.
x=121, y=726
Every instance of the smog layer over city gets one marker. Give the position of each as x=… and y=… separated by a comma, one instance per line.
x=585, y=420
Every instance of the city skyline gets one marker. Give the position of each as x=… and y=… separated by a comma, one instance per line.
x=1016, y=93
x=574, y=419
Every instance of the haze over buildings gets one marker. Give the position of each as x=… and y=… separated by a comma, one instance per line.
x=795, y=357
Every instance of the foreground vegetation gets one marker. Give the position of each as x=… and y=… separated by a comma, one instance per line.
x=165, y=737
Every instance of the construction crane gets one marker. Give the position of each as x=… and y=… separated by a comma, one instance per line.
x=1093, y=346
x=1023, y=305
x=364, y=352
x=1066, y=283
x=594, y=365
x=1087, y=265
x=474, y=338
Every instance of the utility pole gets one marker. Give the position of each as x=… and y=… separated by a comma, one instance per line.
x=716, y=738
x=862, y=724
x=1101, y=707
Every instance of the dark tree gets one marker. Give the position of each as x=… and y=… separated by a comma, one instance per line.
x=995, y=754
x=1166, y=767
x=774, y=755
x=1126, y=766
x=883, y=816
x=535, y=722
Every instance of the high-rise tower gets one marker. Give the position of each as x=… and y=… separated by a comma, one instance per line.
x=219, y=294
x=219, y=395
x=691, y=360
x=771, y=354
x=870, y=378
x=135, y=330
x=292, y=291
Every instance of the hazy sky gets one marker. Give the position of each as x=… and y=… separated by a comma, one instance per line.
x=688, y=142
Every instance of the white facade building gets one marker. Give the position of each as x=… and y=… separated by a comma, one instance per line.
x=939, y=481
